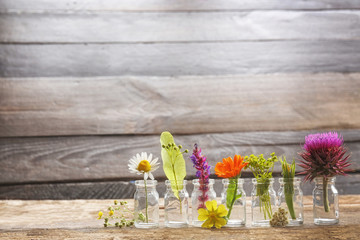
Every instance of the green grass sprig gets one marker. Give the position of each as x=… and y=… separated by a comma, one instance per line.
x=288, y=172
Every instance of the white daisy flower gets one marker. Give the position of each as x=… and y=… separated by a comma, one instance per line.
x=143, y=164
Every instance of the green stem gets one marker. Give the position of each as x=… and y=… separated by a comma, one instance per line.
x=264, y=198
x=289, y=195
x=290, y=205
x=146, y=203
x=177, y=189
x=233, y=199
x=325, y=195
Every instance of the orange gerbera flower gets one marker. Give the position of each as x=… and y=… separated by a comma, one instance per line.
x=229, y=168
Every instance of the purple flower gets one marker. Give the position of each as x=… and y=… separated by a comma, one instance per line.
x=317, y=141
x=324, y=155
x=203, y=173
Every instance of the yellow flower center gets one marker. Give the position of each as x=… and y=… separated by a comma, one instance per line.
x=144, y=166
x=212, y=215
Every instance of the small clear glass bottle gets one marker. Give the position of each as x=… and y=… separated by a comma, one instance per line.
x=325, y=202
x=263, y=202
x=237, y=217
x=290, y=198
x=146, y=207
x=201, y=194
x=176, y=205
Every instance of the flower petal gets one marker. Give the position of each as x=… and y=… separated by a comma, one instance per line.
x=219, y=222
x=151, y=176
x=221, y=211
x=203, y=214
x=146, y=175
x=211, y=205
x=208, y=223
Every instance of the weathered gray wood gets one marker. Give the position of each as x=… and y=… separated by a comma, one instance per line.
x=60, y=191
x=174, y=5
x=150, y=105
x=176, y=59
x=119, y=190
x=54, y=159
x=179, y=27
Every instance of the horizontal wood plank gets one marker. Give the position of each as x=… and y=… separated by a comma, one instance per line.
x=183, y=105
x=61, y=191
x=174, y=5
x=119, y=190
x=76, y=219
x=179, y=27
x=177, y=59
x=97, y=158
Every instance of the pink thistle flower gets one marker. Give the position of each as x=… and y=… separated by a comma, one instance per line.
x=324, y=156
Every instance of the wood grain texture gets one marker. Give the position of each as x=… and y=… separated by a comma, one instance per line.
x=60, y=191
x=176, y=59
x=71, y=159
x=174, y=5
x=150, y=105
x=120, y=189
x=179, y=27
x=77, y=220
x=343, y=232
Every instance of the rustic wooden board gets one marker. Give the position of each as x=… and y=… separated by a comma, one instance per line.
x=77, y=220
x=174, y=5
x=311, y=233
x=80, y=190
x=178, y=27
x=57, y=159
x=176, y=59
x=120, y=189
x=150, y=105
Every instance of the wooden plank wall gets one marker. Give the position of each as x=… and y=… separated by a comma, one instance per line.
x=84, y=85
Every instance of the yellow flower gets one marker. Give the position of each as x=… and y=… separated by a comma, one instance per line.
x=100, y=214
x=213, y=215
x=111, y=213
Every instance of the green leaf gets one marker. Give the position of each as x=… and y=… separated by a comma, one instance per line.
x=173, y=162
x=231, y=192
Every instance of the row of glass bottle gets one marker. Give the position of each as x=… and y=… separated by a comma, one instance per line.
x=177, y=209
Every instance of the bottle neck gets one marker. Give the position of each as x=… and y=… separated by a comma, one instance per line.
x=294, y=181
x=320, y=181
x=200, y=184
x=149, y=184
x=179, y=185
x=267, y=181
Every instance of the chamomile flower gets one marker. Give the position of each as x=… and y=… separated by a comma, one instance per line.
x=143, y=164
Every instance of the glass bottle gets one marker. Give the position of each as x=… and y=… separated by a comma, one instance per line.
x=146, y=207
x=201, y=194
x=176, y=202
x=263, y=202
x=290, y=198
x=325, y=201
x=237, y=214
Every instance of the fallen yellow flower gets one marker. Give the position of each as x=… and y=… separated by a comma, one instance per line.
x=212, y=215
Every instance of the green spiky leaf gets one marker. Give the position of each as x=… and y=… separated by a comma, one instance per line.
x=173, y=162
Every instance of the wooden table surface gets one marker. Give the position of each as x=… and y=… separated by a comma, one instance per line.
x=76, y=219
